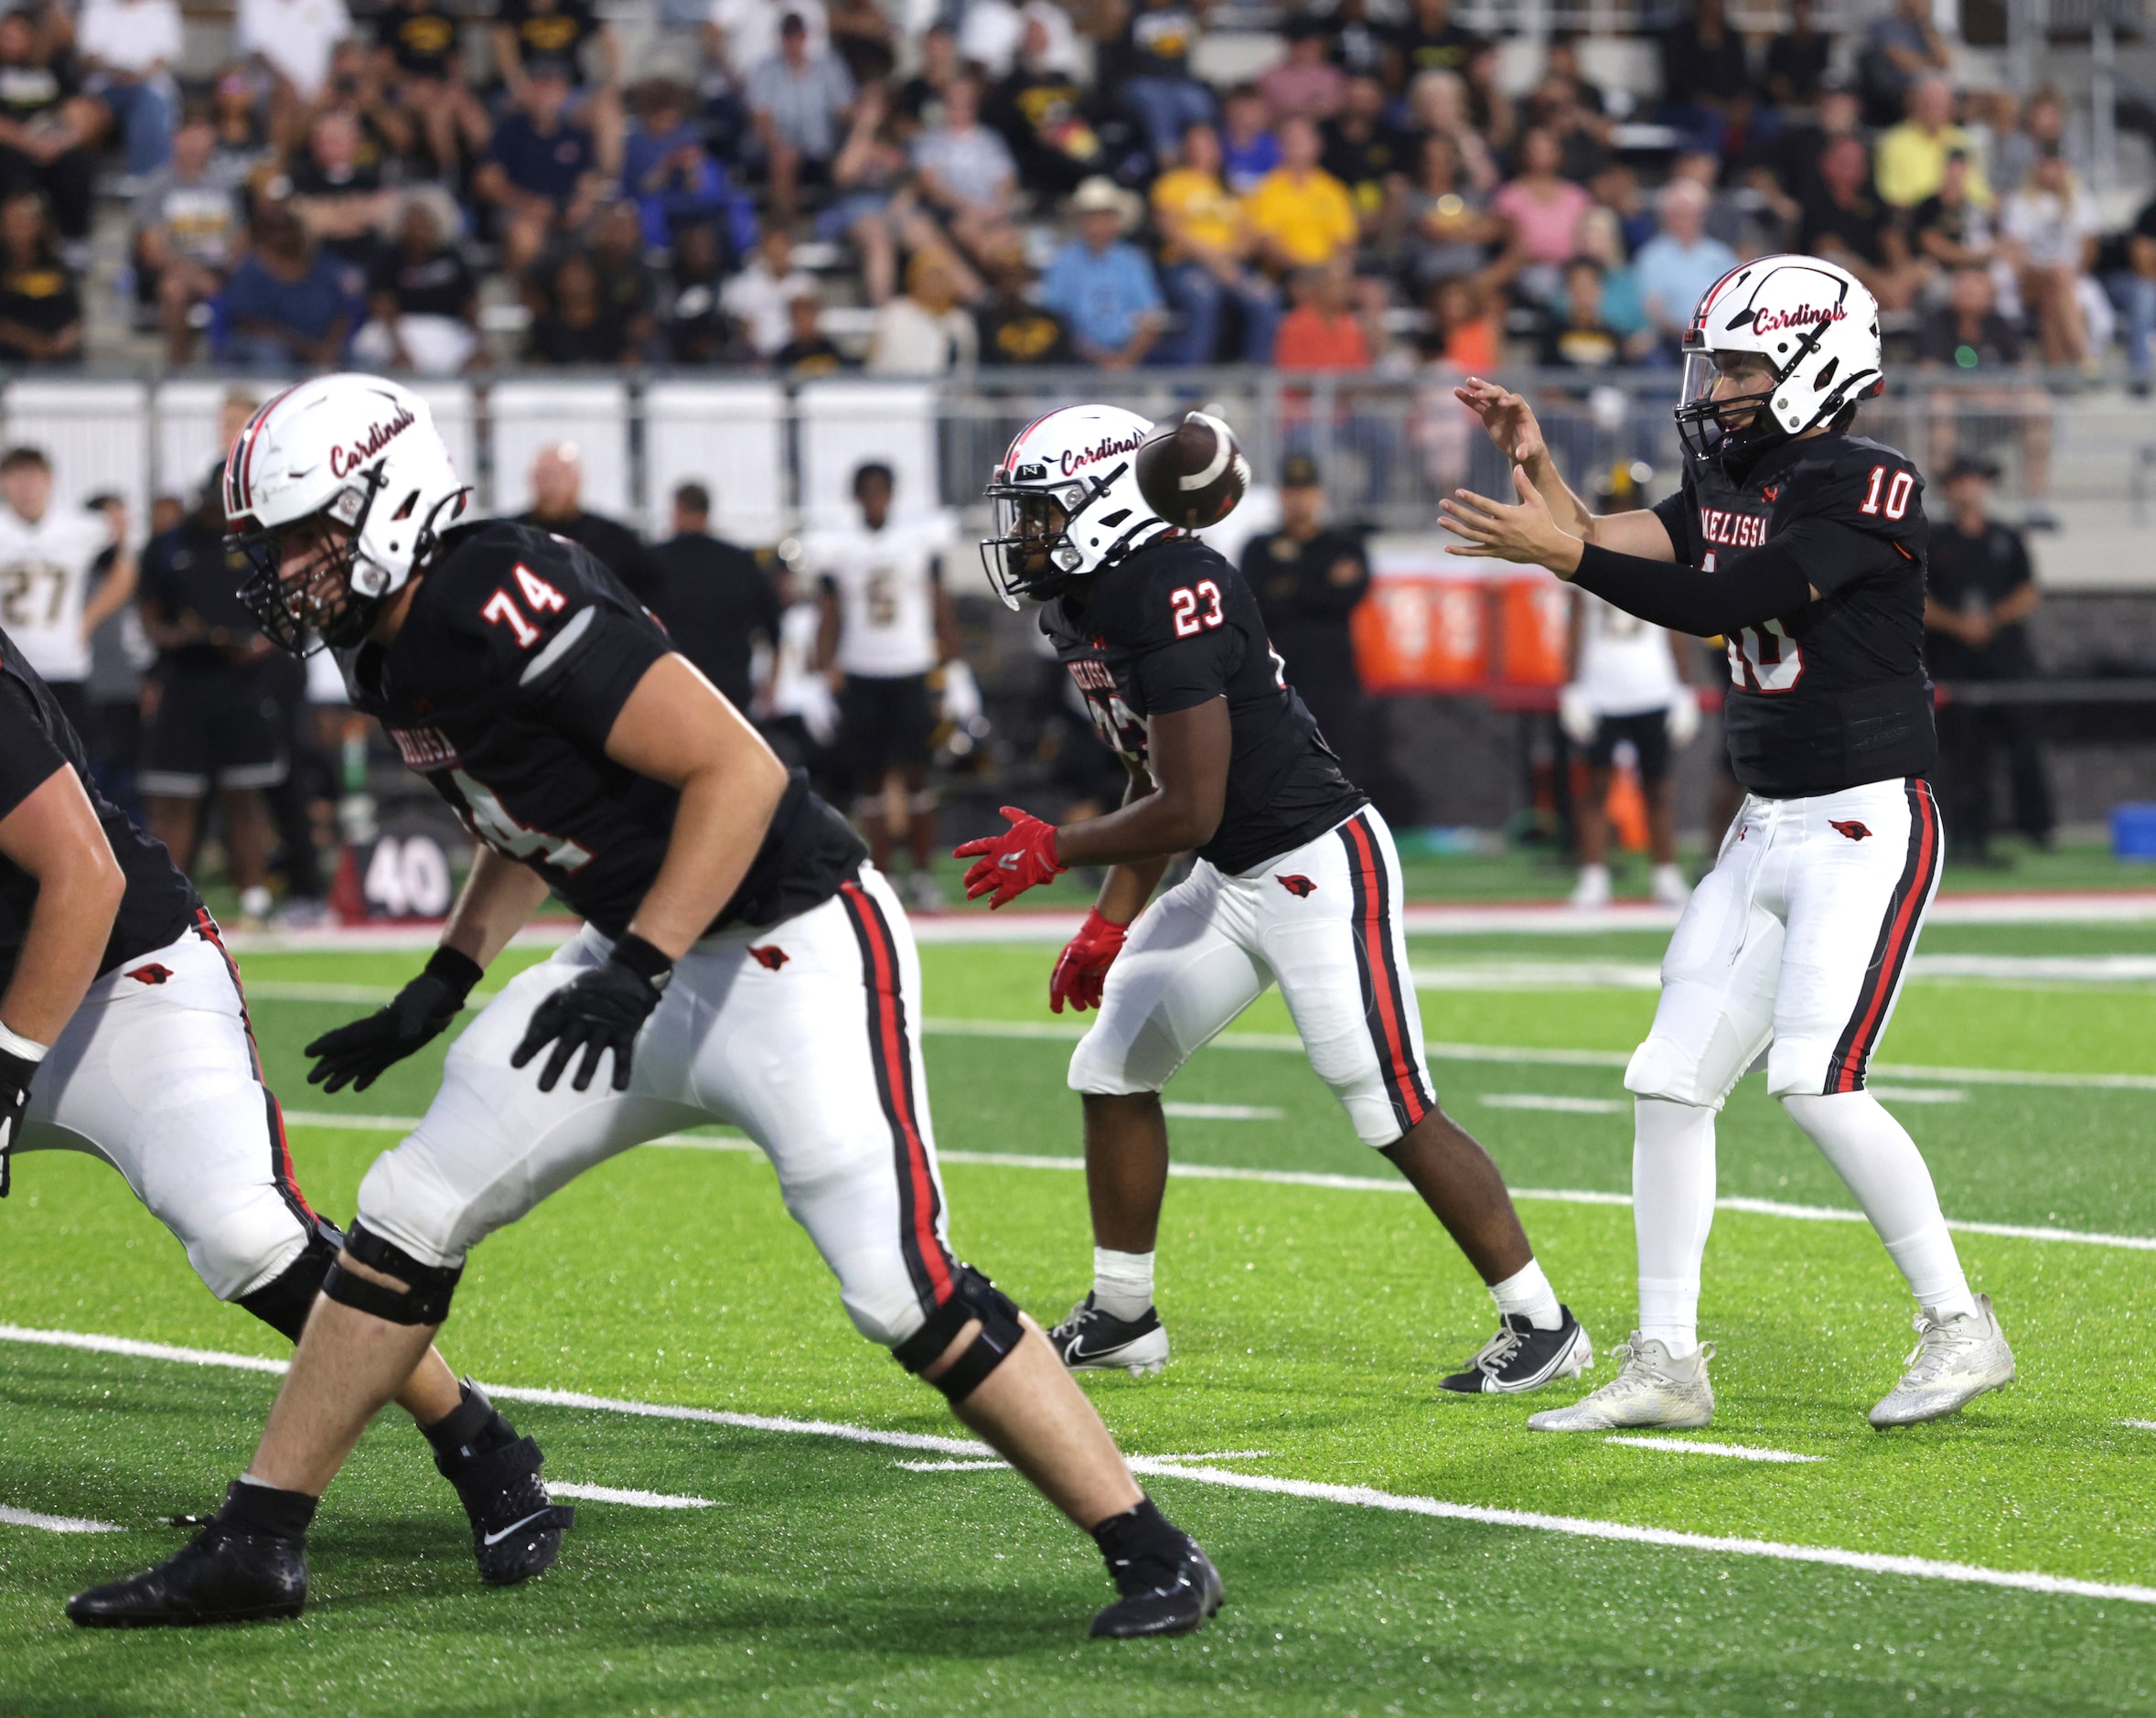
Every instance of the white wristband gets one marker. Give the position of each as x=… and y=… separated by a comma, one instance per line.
x=15, y=1044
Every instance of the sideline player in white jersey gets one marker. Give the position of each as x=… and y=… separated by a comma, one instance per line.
x=46, y=556
x=1296, y=882
x=1805, y=546
x=740, y=962
x=888, y=626
x=1628, y=687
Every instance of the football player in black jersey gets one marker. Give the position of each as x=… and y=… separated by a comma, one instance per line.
x=740, y=962
x=1804, y=546
x=1296, y=880
x=123, y=1033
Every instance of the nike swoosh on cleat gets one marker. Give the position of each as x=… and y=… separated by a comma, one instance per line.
x=496, y=1539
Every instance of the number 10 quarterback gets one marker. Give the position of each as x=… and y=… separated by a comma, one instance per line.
x=1804, y=546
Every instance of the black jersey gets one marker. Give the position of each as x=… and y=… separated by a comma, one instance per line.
x=36, y=739
x=1167, y=629
x=1834, y=695
x=518, y=652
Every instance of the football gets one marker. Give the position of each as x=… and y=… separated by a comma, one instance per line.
x=1193, y=473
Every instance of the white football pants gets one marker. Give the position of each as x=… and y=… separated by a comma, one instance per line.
x=1793, y=945
x=801, y=1034
x=1324, y=921
x=156, y=1074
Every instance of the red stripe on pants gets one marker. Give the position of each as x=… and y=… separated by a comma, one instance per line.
x=889, y=1045
x=1897, y=942
x=1378, y=954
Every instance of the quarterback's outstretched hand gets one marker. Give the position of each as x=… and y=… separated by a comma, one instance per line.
x=1507, y=417
x=1019, y=859
x=356, y=1055
x=1081, y=970
x=1527, y=533
x=602, y=1008
x=14, y=1098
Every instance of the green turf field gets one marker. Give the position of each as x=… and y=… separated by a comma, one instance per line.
x=1358, y=1519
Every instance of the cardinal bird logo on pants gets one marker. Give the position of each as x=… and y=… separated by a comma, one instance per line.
x=1301, y=888
x=770, y=956
x=1852, y=829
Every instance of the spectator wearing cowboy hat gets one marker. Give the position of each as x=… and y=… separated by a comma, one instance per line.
x=1102, y=284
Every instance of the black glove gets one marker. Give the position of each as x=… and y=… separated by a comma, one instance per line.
x=598, y=1010
x=356, y=1055
x=14, y=1098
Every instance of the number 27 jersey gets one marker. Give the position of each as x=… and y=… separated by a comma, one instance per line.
x=501, y=688
x=1834, y=695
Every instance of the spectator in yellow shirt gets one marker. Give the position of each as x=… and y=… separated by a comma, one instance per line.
x=1912, y=160
x=1206, y=248
x=1301, y=215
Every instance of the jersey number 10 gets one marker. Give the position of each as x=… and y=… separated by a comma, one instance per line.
x=1764, y=658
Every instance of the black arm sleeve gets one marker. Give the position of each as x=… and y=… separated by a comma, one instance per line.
x=1762, y=584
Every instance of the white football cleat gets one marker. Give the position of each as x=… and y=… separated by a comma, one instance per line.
x=1650, y=1389
x=1955, y=1362
x=1667, y=886
x=1592, y=893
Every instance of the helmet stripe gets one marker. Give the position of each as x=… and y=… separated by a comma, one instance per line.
x=247, y=438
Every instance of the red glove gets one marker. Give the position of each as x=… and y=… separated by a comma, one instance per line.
x=1013, y=861
x=1082, y=967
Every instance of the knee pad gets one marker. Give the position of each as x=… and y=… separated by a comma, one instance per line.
x=973, y=1297
x=424, y=1300
x=284, y=1301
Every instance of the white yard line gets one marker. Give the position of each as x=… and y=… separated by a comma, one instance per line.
x=635, y=1499
x=1552, y=1101
x=1317, y=1178
x=1356, y=1497
x=55, y=1523
x=2072, y=970
x=1224, y=1112
x=1546, y=918
x=1498, y=1055
x=1738, y=1450
x=2140, y=1425
x=1917, y=1094
x=1502, y=1055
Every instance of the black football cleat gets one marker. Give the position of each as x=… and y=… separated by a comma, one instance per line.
x=1092, y=1339
x=515, y=1527
x=222, y=1575
x=1520, y=1357
x=1160, y=1596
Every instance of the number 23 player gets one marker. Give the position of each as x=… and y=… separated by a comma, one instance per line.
x=1804, y=546
x=1296, y=882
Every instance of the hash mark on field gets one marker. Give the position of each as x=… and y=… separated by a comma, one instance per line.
x=1737, y=1450
x=953, y=1468
x=56, y=1523
x=1551, y=1100
x=1224, y=1112
x=635, y=1499
x=2140, y=1425
x=1917, y=1094
x=1357, y=1496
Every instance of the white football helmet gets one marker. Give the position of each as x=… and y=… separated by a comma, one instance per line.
x=1067, y=501
x=357, y=452
x=1817, y=327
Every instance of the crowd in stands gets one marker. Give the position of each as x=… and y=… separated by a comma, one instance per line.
x=1024, y=182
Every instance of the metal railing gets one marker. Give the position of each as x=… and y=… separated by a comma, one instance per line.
x=778, y=457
